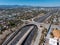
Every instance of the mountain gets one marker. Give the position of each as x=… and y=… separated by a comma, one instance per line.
x=14, y=6
x=23, y=6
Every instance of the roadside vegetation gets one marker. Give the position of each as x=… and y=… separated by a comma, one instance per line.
x=51, y=35
x=10, y=24
x=44, y=33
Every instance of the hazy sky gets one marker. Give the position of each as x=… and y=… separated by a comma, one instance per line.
x=31, y=2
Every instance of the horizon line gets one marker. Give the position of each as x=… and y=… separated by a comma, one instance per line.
x=28, y=5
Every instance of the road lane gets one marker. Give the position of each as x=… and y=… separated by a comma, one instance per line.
x=30, y=36
x=24, y=36
x=22, y=30
x=42, y=18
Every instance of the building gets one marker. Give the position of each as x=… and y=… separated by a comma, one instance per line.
x=55, y=40
x=52, y=41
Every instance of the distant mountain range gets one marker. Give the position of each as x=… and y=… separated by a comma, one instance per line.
x=23, y=6
x=13, y=6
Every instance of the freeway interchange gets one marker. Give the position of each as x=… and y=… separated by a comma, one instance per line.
x=26, y=34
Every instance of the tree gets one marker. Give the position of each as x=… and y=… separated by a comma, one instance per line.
x=51, y=34
x=11, y=23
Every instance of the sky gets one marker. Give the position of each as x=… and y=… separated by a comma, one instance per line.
x=31, y=2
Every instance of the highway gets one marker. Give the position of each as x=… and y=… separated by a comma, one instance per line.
x=18, y=35
x=42, y=18
x=14, y=38
x=30, y=36
x=28, y=40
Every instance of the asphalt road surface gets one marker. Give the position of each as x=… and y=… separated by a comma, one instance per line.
x=17, y=35
x=30, y=36
x=23, y=31
x=41, y=19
